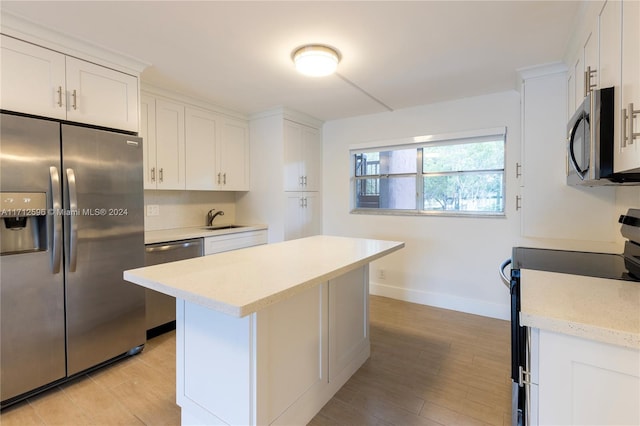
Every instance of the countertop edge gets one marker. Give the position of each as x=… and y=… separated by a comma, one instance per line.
x=584, y=331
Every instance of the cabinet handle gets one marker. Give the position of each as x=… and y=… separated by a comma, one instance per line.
x=60, y=96
x=300, y=181
x=518, y=170
x=75, y=99
x=628, y=117
x=304, y=180
x=218, y=181
x=224, y=178
x=518, y=202
x=153, y=174
x=587, y=81
x=161, y=174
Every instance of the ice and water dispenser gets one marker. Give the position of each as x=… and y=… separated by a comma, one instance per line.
x=24, y=222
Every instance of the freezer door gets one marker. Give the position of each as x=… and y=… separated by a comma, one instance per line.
x=31, y=293
x=104, y=235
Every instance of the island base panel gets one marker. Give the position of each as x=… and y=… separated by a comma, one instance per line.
x=279, y=365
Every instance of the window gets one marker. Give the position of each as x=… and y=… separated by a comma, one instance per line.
x=456, y=174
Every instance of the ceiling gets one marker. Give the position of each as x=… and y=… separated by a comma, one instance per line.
x=237, y=54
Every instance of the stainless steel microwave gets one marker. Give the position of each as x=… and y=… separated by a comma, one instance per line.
x=590, y=143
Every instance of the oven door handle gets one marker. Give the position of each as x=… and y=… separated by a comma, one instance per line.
x=572, y=156
x=506, y=280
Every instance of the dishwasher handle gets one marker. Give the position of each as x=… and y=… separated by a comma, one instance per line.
x=506, y=280
x=172, y=246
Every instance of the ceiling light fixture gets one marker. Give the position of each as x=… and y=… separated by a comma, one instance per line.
x=316, y=60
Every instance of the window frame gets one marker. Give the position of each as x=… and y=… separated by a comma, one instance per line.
x=417, y=143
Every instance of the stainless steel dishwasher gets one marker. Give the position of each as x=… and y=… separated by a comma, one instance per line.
x=160, y=308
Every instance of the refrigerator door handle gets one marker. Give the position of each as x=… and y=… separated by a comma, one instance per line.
x=73, y=225
x=56, y=204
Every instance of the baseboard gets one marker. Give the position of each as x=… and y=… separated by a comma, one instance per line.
x=440, y=300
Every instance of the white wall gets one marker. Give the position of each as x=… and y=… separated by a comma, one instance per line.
x=450, y=262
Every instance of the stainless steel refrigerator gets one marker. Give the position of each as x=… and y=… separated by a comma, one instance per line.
x=71, y=206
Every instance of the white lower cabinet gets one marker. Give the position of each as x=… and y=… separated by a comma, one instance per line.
x=221, y=243
x=302, y=215
x=585, y=382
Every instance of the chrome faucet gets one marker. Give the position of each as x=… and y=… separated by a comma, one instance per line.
x=211, y=215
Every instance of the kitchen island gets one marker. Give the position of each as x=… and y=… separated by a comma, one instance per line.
x=268, y=334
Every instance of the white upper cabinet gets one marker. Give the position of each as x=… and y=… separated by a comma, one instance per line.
x=201, y=134
x=33, y=79
x=609, y=43
x=148, y=135
x=619, y=53
x=233, y=155
x=302, y=157
x=628, y=155
x=193, y=148
x=588, y=79
x=101, y=96
x=610, y=57
x=43, y=82
x=217, y=152
x=170, y=145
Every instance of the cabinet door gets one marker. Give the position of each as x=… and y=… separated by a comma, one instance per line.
x=348, y=319
x=311, y=158
x=590, y=63
x=311, y=214
x=293, y=216
x=233, y=149
x=302, y=157
x=627, y=154
x=170, y=147
x=148, y=134
x=200, y=149
x=32, y=79
x=587, y=382
x=293, y=169
x=610, y=44
x=544, y=171
x=302, y=215
x=101, y=96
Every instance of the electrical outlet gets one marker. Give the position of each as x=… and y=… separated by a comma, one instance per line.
x=153, y=210
x=381, y=274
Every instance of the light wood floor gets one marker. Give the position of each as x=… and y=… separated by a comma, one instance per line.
x=428, y=366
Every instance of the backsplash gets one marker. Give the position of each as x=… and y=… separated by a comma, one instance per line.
x=181, y=209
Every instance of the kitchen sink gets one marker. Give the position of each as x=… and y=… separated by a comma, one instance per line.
x=218, y=227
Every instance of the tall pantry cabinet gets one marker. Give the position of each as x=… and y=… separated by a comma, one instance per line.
x=286, y=161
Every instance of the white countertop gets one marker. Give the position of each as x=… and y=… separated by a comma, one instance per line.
x=166, y=235
x=600, y=309
x=244, y=281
